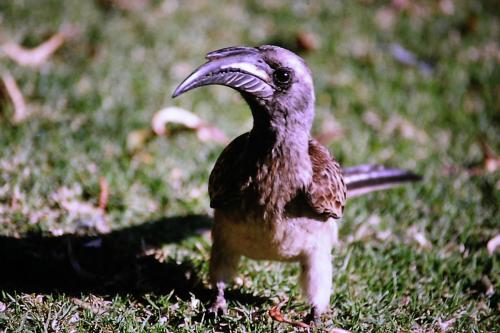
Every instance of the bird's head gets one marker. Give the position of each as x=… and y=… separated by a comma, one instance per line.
x=275, y=82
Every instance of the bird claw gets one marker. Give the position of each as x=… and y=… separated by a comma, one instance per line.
x=313, y=317
x=219, y=306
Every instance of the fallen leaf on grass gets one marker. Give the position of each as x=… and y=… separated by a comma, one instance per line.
x=445, y=326
x=307, y=41
x=96, y=305
x=137, y=139
x=36, y=56
x=490, y=163
x=493, y=244
x=16, y=97
x=419, y=238
x=275, y=314
x=187, y=120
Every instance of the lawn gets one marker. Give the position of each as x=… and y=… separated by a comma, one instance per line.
x=104, y=225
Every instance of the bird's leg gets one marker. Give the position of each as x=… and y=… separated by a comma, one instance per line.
x=223, y=266
x=219, y=304
x=316, y=280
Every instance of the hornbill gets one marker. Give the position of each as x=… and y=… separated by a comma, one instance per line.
x=277, y=192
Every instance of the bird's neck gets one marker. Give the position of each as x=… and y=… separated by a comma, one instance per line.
x=279, y=148
x=276, y=137
x=276, y=128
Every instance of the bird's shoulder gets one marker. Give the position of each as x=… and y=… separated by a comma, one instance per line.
x=223, y=184
x=326, y=193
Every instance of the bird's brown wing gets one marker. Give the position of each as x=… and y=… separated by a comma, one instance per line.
x=225, y=183
x=327, y=192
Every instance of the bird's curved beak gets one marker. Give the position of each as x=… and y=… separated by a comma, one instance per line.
x=241, y=68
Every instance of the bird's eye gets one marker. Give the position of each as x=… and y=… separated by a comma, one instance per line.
x=282, y=76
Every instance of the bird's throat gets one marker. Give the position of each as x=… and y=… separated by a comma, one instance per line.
x=283, y=166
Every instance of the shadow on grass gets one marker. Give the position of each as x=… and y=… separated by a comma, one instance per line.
x=108, y=264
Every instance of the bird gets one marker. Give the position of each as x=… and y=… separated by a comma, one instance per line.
x=277, y=193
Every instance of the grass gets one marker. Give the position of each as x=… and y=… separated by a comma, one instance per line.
x=149, y=273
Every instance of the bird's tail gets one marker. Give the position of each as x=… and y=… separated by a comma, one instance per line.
x=368, y=178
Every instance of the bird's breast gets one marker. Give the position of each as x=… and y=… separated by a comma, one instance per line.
x=286, y=239
x=276, y=182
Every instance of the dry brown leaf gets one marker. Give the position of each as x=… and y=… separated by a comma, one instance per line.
x=34, y=57
x=137, y=139
x=445, y=326
x=16, y=97
x=307, y=41
x=493, y=244
x=177, y=116
x=275, y=314
x=419, y=237
x=96, y=305
x=421, y=240
x=490, y=163
x=174, y=115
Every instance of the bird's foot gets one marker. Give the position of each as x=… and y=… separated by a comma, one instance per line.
x=313, y=318
x=219, y=306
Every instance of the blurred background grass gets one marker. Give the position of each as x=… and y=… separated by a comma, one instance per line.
x=413, y=84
